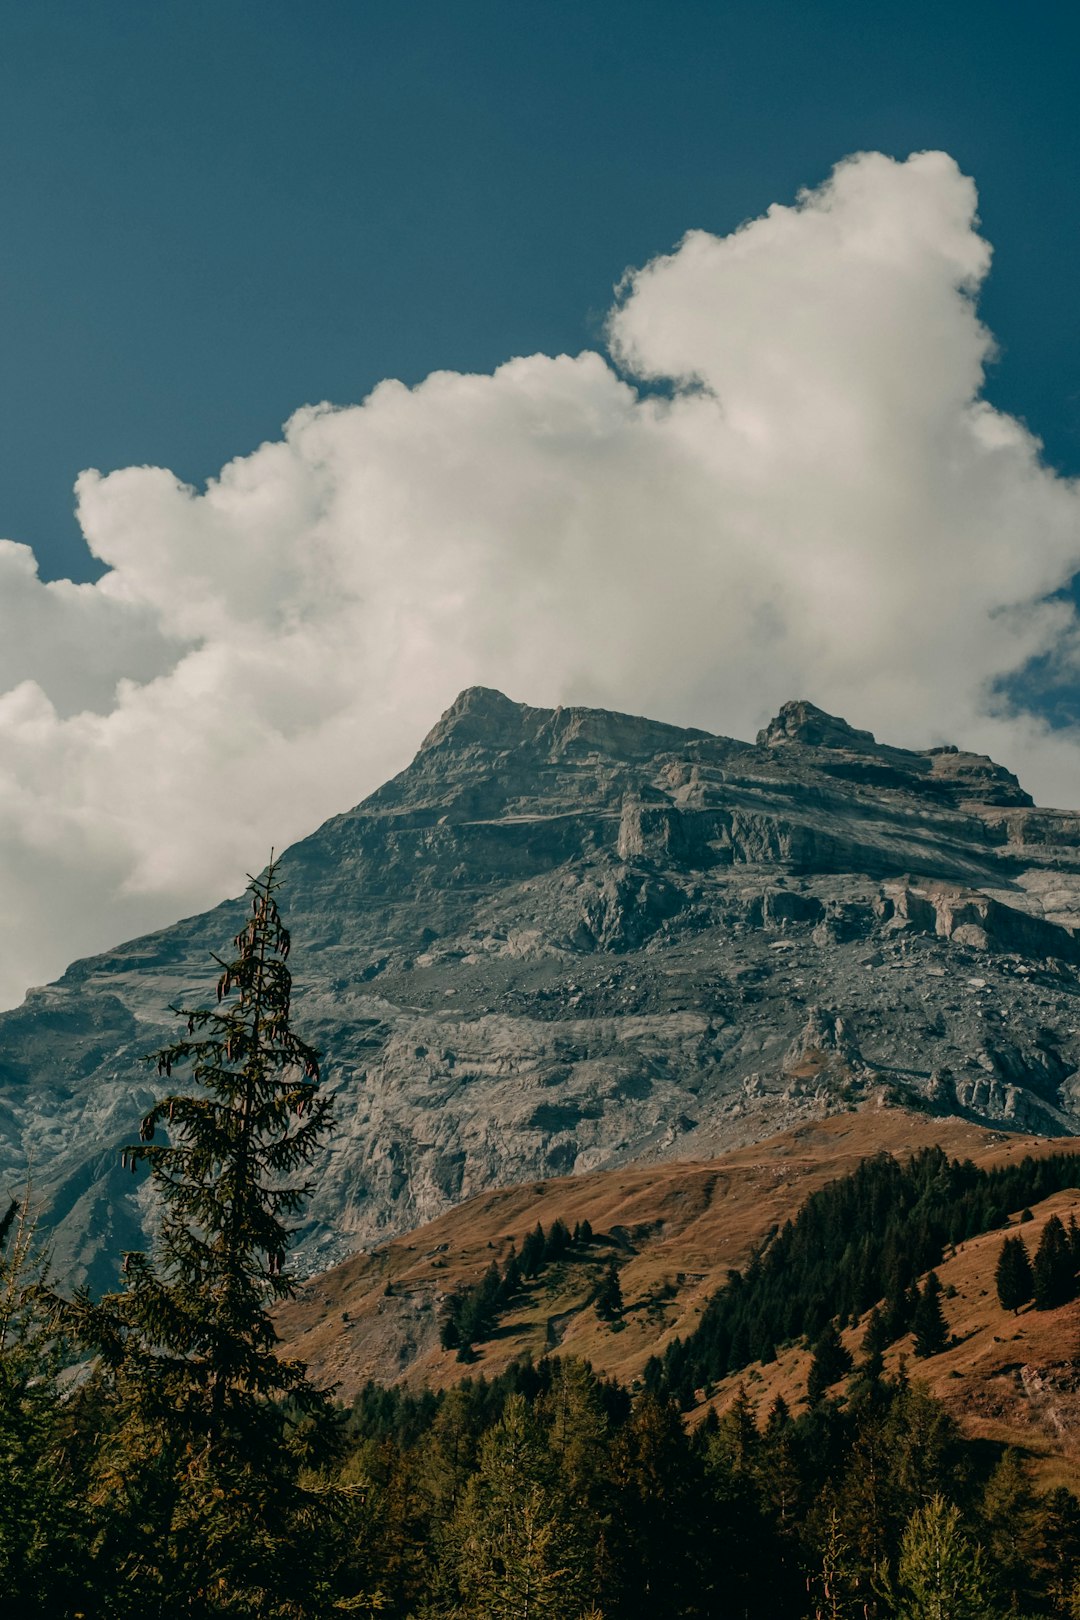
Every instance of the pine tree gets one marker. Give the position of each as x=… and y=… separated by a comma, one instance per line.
x=834, y=1584
x=579, y=1438
x=931, y=1328
x=510, y=1286
x=45, y=1530
x=556, y=1243
x=518, y=1551
x=663, y=1538
x=1058, y=1560
x=831, y=1361
x=1013, y=1277
x=1073, y=1233
x=479, y=1313
x=449, y=1318
x=209, y=1416
x=1053, y=1271
x=609, y=1299
x=941, y=1572
x=532, y=1252
x=1011, y=1531
x=875, y=1341
x=736, y=1444
x=780, y=1478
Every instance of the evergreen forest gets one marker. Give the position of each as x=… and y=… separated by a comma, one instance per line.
x=160, y=1457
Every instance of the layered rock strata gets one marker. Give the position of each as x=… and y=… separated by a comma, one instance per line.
x=565, y=939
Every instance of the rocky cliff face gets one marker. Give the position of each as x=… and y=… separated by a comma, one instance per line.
x=564, y=939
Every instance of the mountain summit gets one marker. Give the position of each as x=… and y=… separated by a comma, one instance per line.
x=563, y=939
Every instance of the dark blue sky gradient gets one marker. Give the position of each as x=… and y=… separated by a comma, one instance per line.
x=214, y=211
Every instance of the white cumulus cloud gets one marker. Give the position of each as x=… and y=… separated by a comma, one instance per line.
x=800, y=492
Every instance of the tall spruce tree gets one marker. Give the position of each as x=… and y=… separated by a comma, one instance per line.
x=1053, y=1271
x=201, y=1483
x=831, y=1362
x=608, y=1302
x=1013, y=1275
x=931, y=1328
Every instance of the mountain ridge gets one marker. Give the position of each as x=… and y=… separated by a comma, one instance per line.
x=562, y=939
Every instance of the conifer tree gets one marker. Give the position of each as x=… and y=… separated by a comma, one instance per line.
x=1058, y=1559
x=510, y=1286
x=449, y=1318
x=737, y=1443
x=874, y=1343
x=609, y=1299
x=1053, y=1271
x=931, y=1328
x=663, y=1496
x=44, y=1528
x=834, y=1584
x=941, y=1572
x=532, y=1252
x=519, y=1554
x=1011, y=1530
x=579, y=1437
x=202, y=1476
x=1013, y=1277
x=780, y=1481
x=557, y=1242
x=831, y=1361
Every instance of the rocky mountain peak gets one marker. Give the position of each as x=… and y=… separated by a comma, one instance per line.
x=479, y=714
x=565, y=938
x=801, y=722
x=482, y=717
x=945, y=772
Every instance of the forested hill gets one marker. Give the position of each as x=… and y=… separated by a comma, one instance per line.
x=861, y=1242
x=491, y=1282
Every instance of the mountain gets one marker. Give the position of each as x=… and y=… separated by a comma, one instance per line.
x=563, y=940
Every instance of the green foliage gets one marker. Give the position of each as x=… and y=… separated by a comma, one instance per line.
x=931, y=1328
x=1054, y=1268
x=199, y=1475
x=1012, y=1278
x=831, y=1362
x=471, y=1313
x=875, y=1342
x=518, y=1550
x=192, y=1472
x=44, y=1526
x=942, y=1572
x=609, y=1300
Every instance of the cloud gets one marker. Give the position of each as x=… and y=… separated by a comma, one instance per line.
x=811, y=497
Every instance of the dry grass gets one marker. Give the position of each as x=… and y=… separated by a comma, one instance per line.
x=1012, y=1380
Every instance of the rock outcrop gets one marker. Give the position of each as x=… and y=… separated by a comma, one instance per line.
x=565, y=939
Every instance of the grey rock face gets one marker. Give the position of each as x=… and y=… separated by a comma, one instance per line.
x=564, y=939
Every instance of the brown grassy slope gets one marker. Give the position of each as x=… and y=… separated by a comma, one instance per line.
x=675, y=1228
x=1014, y=1380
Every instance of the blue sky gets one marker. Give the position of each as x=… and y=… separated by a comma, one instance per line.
x=215, y=212
x=784, y=461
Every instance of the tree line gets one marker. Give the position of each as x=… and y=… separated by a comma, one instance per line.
x=863, y=1239
x=471, y=1312
x=549, y=1491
